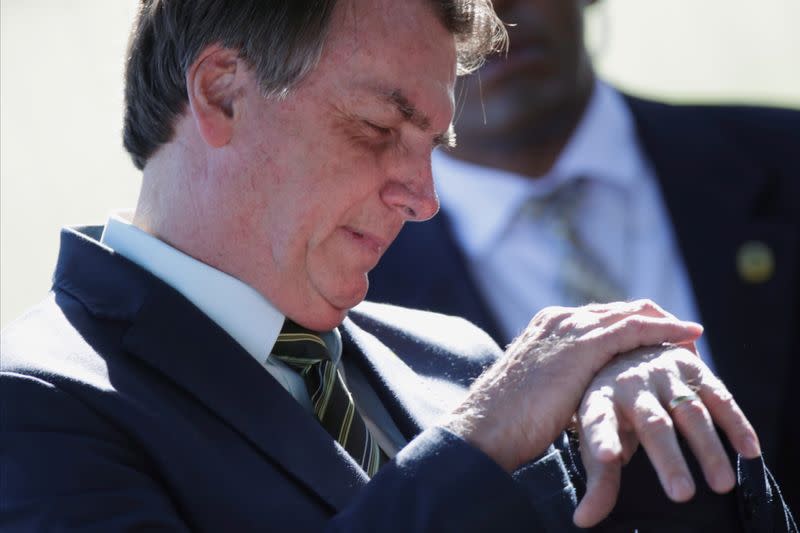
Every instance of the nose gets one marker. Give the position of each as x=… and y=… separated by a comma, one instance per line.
x=411, y=192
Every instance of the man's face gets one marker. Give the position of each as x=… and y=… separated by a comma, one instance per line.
x=323, y=180
x=544, y=71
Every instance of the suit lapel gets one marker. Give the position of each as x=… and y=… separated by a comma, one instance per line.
x=712, y=193
x=172, y=336
x=431, y=286
x=413, y=402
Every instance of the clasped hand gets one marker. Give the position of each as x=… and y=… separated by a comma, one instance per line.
x=619, y=368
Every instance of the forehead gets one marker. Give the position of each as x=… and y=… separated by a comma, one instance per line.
x=390, y=44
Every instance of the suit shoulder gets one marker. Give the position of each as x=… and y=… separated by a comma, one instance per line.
x=740, y=119
x=441, y=333
x=768, y=124
x=766, y=133
x=769, y=138
x=46, y=343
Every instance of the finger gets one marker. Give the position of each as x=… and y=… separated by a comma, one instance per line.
x=630, y=443
x=656, y=432
x=722, y=407
x=594, y=315
x=644, y=307
x=548, y=319
x=728, y=416
x=604, y=315
x=695, y=424
x=691, y=346
x=635, y=331
x=599, y=427
x=602, y=489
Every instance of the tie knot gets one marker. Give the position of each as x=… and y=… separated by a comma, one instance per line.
x=562, y=202
x=299, y=347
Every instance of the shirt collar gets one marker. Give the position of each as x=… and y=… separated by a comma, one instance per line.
x=463, y=189
x=603, y=147
x=237, y=308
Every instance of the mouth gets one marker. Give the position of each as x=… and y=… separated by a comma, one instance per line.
x=368, y=241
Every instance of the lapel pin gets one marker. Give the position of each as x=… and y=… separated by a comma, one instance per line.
x=755, y=262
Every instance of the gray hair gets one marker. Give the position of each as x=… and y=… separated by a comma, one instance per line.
x=281, y=39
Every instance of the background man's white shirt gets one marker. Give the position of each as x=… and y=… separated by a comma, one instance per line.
x=622, y=219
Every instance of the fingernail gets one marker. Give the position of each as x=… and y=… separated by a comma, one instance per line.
x=693, y=325
x=752, y=447
x=681, y=488
x=723, y=480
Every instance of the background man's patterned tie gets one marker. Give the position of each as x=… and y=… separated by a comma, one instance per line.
x=584, y=277
x=304, y=351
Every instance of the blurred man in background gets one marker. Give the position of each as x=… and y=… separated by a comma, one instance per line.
x=564, y=190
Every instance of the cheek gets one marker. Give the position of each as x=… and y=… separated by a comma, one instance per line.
x=338, y=276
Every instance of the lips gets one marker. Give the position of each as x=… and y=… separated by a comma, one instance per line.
x=368, y=241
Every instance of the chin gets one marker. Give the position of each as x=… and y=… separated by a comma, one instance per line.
x=330, y=313
x=327, y=321
x=346, y=302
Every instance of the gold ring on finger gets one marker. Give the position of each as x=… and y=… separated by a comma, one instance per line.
x=677, y=400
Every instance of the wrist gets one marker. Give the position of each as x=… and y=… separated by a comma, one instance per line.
x=481, y=432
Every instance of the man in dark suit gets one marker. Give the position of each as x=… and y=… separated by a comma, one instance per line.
x=196, y=368
x=696, y=207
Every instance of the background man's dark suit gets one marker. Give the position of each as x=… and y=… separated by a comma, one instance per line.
x=133, y=411
x=728, y=175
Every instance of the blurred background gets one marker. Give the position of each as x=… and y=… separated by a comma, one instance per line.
x=61, y=68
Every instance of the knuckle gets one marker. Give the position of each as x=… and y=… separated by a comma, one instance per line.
x=691, y=411
x=551, y=316
x=631, y=379
x=646, y=304
x=592, y=422
x=635, y=325
x=725, y=400
x=562, y=327
x=552, y=310
x=654, y=424
x=687, y=362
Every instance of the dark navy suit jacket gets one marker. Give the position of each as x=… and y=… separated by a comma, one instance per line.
x=124, y=408
x=728, y=175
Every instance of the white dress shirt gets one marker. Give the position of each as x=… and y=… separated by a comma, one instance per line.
x=622, y=219
x=234, y=306
x=245, y=315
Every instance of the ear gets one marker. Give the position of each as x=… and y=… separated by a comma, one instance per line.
x=212, y=84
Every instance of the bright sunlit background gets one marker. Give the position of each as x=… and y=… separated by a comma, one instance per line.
x=61, y=64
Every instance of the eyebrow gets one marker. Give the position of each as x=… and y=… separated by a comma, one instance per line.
x=419, y=119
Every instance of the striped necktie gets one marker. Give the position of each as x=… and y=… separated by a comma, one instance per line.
x=583, y=276
x=304, y=351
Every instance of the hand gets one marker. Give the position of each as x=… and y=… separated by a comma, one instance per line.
x=520, y=404
x=632, y=400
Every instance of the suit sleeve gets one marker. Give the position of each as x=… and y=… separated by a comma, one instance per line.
x=64, y=468
x=441, y=483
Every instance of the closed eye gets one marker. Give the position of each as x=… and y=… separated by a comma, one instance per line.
x=378, y=129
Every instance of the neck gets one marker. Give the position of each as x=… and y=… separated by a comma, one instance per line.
x=173, y=200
